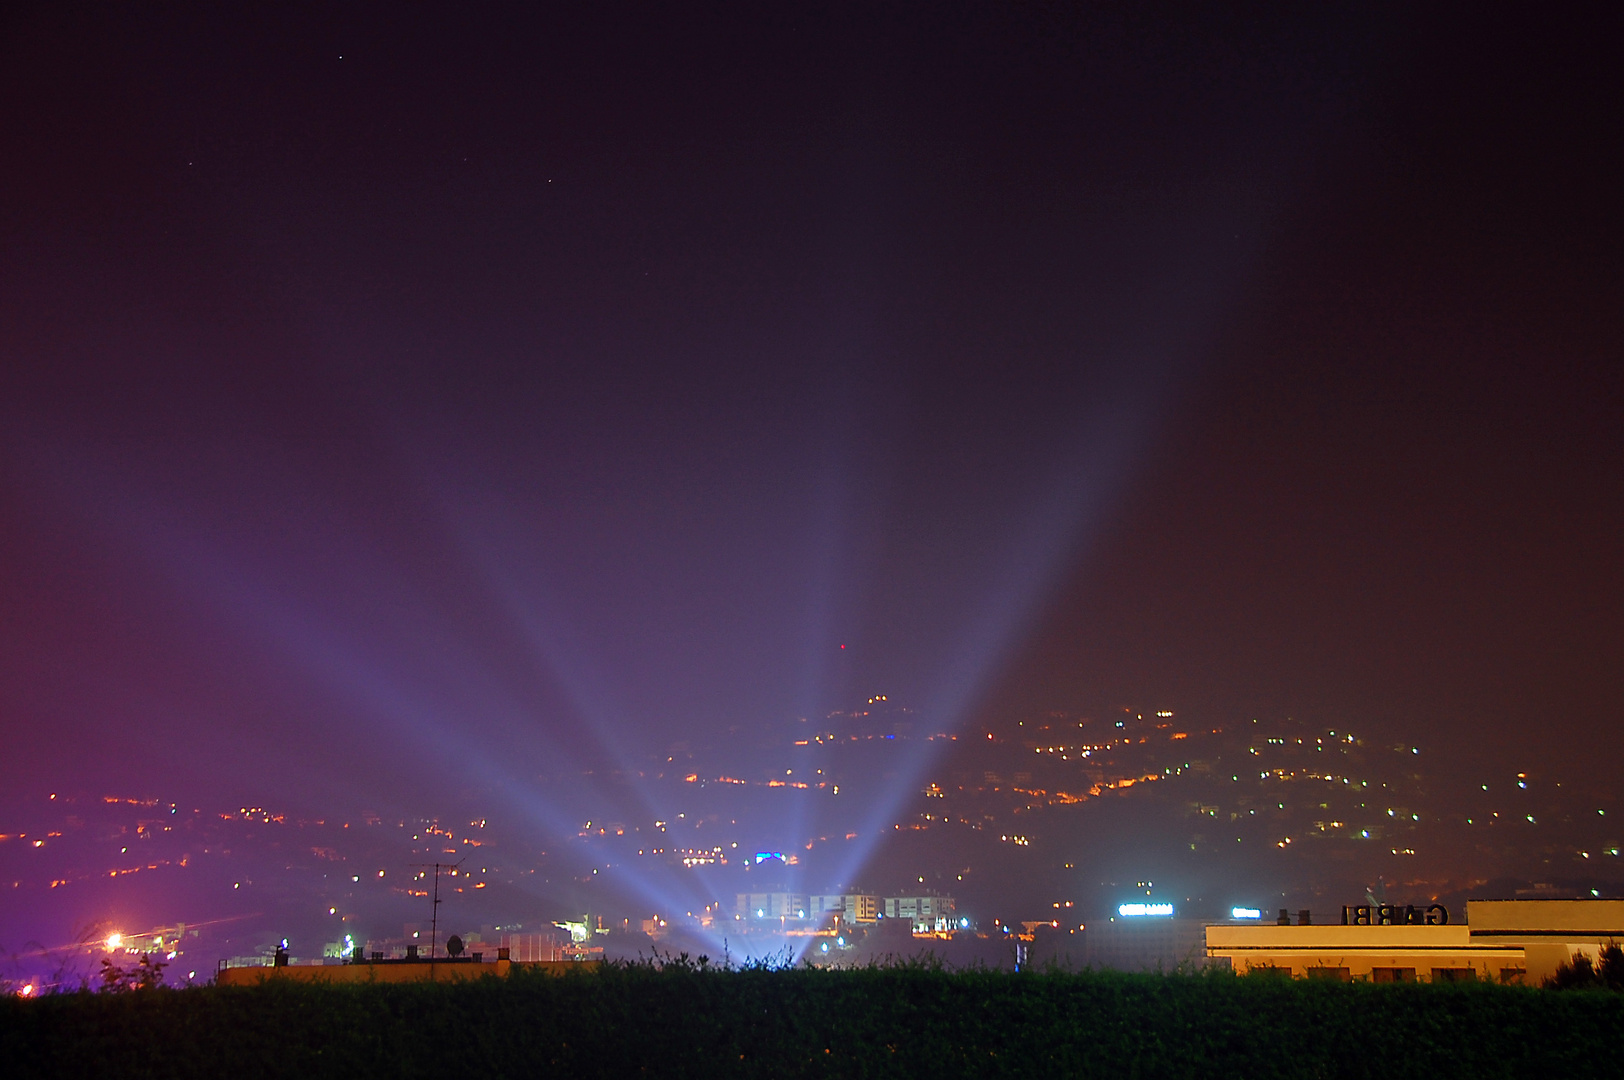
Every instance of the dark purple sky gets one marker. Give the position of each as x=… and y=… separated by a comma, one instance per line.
x=438, y=389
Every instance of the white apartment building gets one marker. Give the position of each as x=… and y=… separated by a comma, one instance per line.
x=926, y=914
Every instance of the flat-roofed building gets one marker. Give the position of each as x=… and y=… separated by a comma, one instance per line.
x=529, y=948
x=1375, y=953
x=773, y=905
x=851, y=907
x=1550, y=932
x=1510, y=941
x=926, y=914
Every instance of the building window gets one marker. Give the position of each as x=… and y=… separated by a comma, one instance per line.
x=1514, y=976
x=1335, y=974
x=1392, y=974
x=1440, y=975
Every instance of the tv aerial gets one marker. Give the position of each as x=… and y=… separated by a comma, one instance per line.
x=434, y=918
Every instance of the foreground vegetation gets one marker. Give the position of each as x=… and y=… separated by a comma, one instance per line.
x=909, y=1021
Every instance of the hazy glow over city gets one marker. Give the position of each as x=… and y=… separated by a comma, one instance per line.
x=819, y=484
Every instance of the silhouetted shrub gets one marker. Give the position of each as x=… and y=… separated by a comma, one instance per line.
x=1582, y=973
x=683, y=1018
x=146, y=975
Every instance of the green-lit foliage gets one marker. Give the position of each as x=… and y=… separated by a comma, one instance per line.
x=687, y=1019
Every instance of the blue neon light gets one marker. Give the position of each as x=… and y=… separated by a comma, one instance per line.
x=1129, y=911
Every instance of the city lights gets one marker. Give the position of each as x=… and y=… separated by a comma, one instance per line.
x=1385, y=810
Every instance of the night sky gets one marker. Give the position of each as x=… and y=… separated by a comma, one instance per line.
x=392, y=399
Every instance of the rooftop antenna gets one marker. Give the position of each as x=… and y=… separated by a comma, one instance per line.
x=434, y=916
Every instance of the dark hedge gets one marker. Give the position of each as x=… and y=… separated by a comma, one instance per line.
x=899, y=1021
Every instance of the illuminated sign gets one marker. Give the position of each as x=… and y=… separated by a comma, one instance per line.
x=763, y=856
x=1245, y=913
x=1129, y=911
x=1394, y=915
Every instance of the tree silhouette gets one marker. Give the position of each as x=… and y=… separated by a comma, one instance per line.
x=148, y=974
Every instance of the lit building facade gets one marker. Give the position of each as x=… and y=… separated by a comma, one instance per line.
x=851, y=907
x=1510, y=941
x=1549, y=932
x=773, y=905
x=926, y=914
